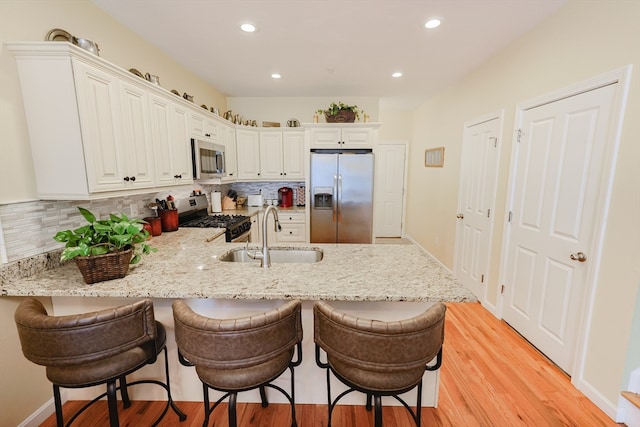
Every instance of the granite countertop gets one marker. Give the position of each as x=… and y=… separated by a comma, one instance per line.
x=186, y=265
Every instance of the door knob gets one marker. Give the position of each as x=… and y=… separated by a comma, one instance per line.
x=578, y=257
x=460, y=216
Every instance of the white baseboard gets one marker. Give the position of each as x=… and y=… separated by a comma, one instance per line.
x=607, y=406
x=44, y=412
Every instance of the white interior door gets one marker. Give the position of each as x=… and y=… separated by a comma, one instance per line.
x=389, y=189
x=563, y=152
x=476, y=201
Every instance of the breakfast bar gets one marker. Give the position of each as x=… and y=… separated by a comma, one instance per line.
x=382, y=281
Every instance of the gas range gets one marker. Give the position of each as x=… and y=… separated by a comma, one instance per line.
x=192, y=212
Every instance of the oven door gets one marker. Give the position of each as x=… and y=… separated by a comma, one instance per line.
x=244, y=237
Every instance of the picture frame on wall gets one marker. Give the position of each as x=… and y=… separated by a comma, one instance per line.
x=434, y=157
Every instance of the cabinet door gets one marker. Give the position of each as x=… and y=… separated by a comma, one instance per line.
x=227, y=137
x=99, y=111
x=271, y=155
x=181, y=145
x=162, y=140
x=326, y=137
x=248, y=149
x=172, y=145
x=291, y=233
x=137, y=138
x=357, y=138
x=271, y=231
x=211, y=129
x=254, y=235
x=293, y=154
x=196, y=124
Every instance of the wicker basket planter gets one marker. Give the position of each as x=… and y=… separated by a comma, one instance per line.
x=342, y=116
x=99, y=268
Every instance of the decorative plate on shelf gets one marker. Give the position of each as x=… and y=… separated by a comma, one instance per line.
x=58, y=35
x=136, y=72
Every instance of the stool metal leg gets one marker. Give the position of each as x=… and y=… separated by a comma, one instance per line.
x=377, y=403
x=233, y=422
x=207, y=411
x=58, y=404
x=112, y=401
x=126, y=402
x=263, y=397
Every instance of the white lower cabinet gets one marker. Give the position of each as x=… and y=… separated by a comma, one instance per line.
x=254, y=235
x=293, y=227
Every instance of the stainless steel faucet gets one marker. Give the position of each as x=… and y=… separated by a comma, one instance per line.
x=265, y=256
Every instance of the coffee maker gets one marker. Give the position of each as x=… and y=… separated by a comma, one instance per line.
x=285, y=197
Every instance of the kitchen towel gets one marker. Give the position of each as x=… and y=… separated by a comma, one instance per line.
x=216, y=202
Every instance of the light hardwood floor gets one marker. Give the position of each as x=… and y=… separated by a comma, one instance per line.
x=490, y=377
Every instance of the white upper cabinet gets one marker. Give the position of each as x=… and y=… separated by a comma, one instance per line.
x=172, y=149
x=248, y=150
x=101, y=128
x=203, y=127
x=136, y=128
x=350, y=136
x=293, y=154
x=97, y=130
x=227, y=137
x=271, y=155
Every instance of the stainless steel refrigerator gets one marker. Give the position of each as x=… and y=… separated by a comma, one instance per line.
x=341, y=196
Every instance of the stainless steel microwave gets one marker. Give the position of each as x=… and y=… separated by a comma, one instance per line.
x=208, y=159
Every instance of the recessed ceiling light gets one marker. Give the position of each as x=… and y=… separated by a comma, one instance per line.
x=248, y=28
x=275, y=76
x=396, y=74
x=432, y=23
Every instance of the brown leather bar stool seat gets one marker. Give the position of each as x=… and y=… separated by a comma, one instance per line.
x=378, y=358
x=235, y=355
x=101, y=347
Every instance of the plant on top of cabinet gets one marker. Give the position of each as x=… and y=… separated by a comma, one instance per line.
x=103, y=249
x=340, y=113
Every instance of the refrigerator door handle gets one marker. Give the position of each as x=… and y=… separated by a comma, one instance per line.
x=339, y=201
x=335, y=198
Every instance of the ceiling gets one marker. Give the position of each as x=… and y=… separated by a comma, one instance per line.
x=330, y=47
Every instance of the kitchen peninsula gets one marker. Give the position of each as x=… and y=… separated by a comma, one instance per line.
x=381, y=281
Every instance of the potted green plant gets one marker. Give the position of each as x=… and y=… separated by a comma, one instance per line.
x=340, y=113
x=103, y=249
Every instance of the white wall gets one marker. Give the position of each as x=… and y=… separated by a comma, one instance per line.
x=581, y=40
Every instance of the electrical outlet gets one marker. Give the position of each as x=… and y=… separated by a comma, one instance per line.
x=134, y=209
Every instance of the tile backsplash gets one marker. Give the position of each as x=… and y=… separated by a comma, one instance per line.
x=28, y=227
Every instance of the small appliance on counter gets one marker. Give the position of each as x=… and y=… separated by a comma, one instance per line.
x=216, y=202
x=285, y=197
x=255, y=200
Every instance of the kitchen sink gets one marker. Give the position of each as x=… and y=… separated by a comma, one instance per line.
x=278, y=255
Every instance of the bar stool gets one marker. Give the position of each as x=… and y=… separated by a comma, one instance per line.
x=100, y=347
x=235, y=355
x=378, y=358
